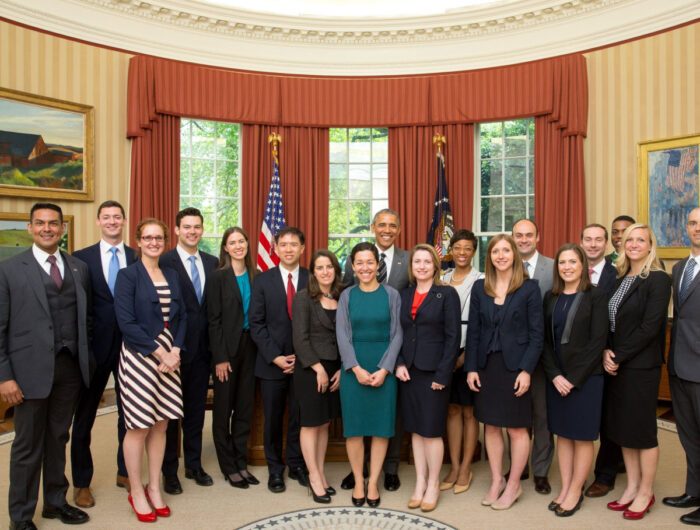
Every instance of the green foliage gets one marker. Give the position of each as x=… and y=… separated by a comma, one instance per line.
x=64, y=175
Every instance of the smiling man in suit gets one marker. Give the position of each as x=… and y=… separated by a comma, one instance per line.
x=594, y=241
x=193, y=266
x=104, y=260
x=540, y=268
x=44, y=360
x=393, y=271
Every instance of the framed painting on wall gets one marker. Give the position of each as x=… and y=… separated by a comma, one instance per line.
x=669, y=188
x=14, y=237
x=46, y=147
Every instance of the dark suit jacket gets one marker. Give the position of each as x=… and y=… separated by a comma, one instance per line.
x=583, y=340
x=197, y=341
x=608, y=279
x=26, y=326
x=137, y=307
x=313, y=332
x=431, y=341
x=684, y=355
x=640, y=326
x=398, y=275
x=226, y=315
x=270, y=325
x=106, y=337
x=522, y=329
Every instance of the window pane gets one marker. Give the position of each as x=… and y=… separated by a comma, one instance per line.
x=185, y=176
x=491, y=214
x=184, y=137
x=380, y=149
x=516, y=137
x=516, y=179
x=531, y=138
x=226, y=215
x=338, y=171
x=515, y=210
x=337, y=217
x=227, y=179
x=338, y=149
x=338, y=189
x=227, y=142
x=481, y=250
x=359, y=145
x=531, y=208
x=379, y=205
x=380, y=171
x=491, y=177
x=380, y=188
x=203, y=177
x=531, y=175
x=359, y=216
x=210, y=245
x=359, y=189
x=491, y=140
x=338, y=246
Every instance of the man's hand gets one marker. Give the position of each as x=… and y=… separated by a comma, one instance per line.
x=10, y=392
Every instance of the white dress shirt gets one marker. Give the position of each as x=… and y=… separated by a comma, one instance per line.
x=597, y=271
x=532, y=262
x=106, y=256
x=42, y=257
x=388, y=258
x=285, y=277
x=185, y=257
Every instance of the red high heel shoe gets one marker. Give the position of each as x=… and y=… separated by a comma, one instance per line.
x=160, y=512
x=618, y=507
x=635, y=516
x=143, y=517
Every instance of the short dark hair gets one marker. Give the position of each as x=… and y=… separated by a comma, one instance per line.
x=312, y=286
x=362, y=246
x=290, y=230
x=537, y=228
x=594, y=225
x=110, y=204
x=584, y=283
x=387, y=211
x=186, y=212
x=624, y=218
x=465, y=234
x=46, y=206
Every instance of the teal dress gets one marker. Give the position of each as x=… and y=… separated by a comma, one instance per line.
x=368, y=411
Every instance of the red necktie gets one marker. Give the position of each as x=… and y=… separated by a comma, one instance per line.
x=54, y=272
x=590, y=273
x=290, y=294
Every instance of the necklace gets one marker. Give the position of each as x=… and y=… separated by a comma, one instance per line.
x=328, y=295
x=460, y=280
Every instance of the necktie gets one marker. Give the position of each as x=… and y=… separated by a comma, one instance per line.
x=687, y=278
x=290, y=294
x=527, y=268
x=196, y=283
x=113, y=269
x=54, y=272
x=590, y=273
x=381, y=272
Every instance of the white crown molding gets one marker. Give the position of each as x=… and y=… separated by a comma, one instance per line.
x=464, y=39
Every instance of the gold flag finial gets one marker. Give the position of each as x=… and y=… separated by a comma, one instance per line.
x=439, y=139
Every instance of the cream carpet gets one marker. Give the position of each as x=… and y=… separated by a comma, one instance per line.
x=224, y=507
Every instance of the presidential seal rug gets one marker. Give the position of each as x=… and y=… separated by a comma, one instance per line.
x=348, y=518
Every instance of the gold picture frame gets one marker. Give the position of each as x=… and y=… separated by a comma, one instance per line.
x=46, y=147
x=14, y=237
x=669, y=187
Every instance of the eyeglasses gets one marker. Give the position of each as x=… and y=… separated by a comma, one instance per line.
x=157, y=239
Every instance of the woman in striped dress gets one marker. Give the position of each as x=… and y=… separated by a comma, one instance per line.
x=151, y=317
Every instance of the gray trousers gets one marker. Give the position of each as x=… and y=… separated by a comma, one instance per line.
x=542, y=439
x=686, y=407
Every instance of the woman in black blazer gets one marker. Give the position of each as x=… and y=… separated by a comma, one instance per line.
x=152, y=318
x=576, y=327
x=233, y=356
x=317, y=365
x=638, y=312
x=504, y=344
x=430, y=318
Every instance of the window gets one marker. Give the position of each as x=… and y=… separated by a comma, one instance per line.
x=359, y=185
x=210, y=176
x=505, y=189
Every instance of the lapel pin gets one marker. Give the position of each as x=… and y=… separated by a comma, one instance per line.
x=439, y=295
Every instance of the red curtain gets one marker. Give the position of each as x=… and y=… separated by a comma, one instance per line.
x=304, y=168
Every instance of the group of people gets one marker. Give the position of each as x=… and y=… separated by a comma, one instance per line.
x=571, y=346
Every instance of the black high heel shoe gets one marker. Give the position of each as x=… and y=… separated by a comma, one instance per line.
x=242, y=483
x=321, y=499
x=330, y=490
x=373, y=503
x=358, y=502
x=561, y=512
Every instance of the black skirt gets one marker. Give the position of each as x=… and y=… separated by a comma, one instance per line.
x=460, y=393
x=315, y=408
x=423, y=410
x=495, y=403
x=630, y=407
x=576, y=416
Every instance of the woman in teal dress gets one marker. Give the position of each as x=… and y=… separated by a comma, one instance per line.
x=369, y=340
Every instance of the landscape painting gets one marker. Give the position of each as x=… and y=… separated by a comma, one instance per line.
x=14, y=237
x=45, y=147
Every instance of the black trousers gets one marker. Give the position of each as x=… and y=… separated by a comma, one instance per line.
x=233, y=409
x=84, y=419
x=609, y=454
x=685, y=397
x=41, y=435
x=195, y=381
x=274, y=395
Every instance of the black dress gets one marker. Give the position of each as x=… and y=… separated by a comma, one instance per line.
x=576, y=416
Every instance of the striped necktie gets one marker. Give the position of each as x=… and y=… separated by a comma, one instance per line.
x=687, y=279
x=381, y=272
x=196, y=282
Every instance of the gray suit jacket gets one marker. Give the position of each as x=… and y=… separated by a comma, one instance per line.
x=684, y=355
x=26, y=336
x=544, y=274
x=398, y=275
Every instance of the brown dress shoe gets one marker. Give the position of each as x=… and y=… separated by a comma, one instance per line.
x=83, y=497
x=123, y=482
x=597, y=489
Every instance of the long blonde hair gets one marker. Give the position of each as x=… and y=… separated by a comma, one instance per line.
x=652, y=262
x=519, y=274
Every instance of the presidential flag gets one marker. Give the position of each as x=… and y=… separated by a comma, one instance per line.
x=442, y=226
x=274, y=217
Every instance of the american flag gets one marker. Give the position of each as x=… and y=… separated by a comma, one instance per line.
x=442, y=225
x=274, y=217
x=679, y=165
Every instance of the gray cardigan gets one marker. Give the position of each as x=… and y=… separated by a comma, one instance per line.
x=313, y=331
x=343, y=330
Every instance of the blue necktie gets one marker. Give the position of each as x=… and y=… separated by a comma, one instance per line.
x=195, y=278
x=113, y=269
x=687, y=278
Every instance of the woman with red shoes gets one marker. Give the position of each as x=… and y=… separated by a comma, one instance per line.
x=638, y=312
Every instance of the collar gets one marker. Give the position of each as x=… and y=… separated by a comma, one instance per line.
x=285, y=274
x=105, y=247
x=696, y=258
x=389, y=253
x=185, y=256
x=533, y=261
x=599, y=267
x=41, y=256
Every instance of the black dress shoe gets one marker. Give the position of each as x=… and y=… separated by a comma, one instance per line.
x=373, y=503
x=330, y=490
x=22, y=525
x=542, y=485
x=299, y=474
x=275, y=483
x=171, y=485
x=250, y=478
x=240, y=483
x=682, y=501
x=691, y=518
x=358, y=502
x=199, y=476
x=348, y=482
x=67, y=514
x=391, y=483
x=322, y=499
x=561, y=512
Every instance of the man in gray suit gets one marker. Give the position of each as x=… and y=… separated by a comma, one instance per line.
x=393, y=271
x=44, y=358
x=684, y=368
x=540, y=268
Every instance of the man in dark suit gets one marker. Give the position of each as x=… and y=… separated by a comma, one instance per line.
x=393, y=271
x=540, y=268
x=619, y=225
x=44, y=359
x=104, y=260
x=270, y=319
x=193, y=266
x=684, y=368
x=594, y=241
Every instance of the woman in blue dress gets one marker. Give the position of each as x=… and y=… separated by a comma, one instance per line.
x=369, y=340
